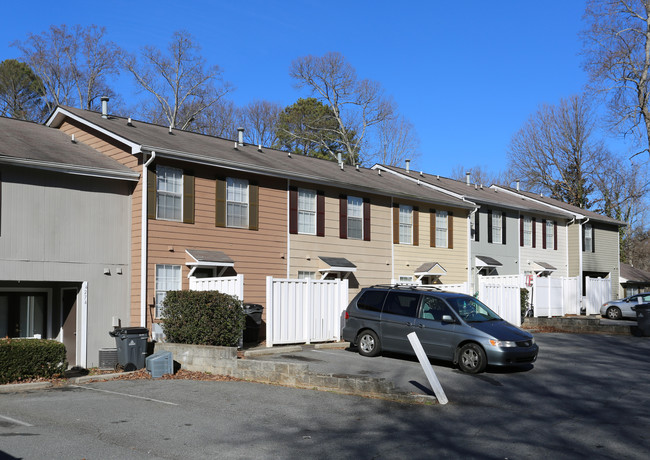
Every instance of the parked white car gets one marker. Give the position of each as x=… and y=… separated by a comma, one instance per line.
x=618, y=309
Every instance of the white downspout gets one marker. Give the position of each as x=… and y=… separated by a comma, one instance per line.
x=580, y=253
x=288, y=229
x=470, y=270
x=143, y=244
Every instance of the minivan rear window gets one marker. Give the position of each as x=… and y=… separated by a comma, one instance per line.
x=371, y=300
x=402, y=303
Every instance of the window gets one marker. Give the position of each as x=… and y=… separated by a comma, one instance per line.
x=441, y=229
x=476, y=226
x=550, y=234
x=405, y=278
x=497, y=225
x=402, y=303
x=168, y=278
x=589, y=237
x=355, y=217
x=236, y=202
x=307, y=211
x=371, y=300
x=405, y=224
x=169, y=193
x=528, y=231
x=305, y=275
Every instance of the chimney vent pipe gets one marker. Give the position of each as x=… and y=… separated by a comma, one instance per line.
x=104, y=100
x=467, y=177
x=408, y=165
x=240, y=136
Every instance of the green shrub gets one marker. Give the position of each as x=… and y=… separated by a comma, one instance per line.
x=524, y=296
x=202, y=318
x=23, y=359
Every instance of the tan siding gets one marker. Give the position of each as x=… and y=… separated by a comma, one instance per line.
x=372, y=258
x=574, y=249
x=605, y=258
x=408, y=258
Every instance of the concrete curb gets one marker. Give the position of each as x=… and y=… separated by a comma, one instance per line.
x=99, y=377
x=272, y=350
x=14, y=387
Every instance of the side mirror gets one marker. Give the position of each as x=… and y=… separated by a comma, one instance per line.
x=447, y=319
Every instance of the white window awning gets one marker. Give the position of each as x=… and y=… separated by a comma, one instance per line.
x=208, y=259
x=486, y=262
x=543, y=267
x=429, y=269
x=339, y=265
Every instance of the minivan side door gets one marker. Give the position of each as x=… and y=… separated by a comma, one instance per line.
x=438, y=337
x=398, y=319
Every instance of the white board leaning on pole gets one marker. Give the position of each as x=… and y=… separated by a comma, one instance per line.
x=428, y=369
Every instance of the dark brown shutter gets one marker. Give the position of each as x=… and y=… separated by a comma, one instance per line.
x=450, y=230
x=489, y=216
x=555, y=235
x=151, y=193
x=534, y=224
x=343, y=216
x=293, y=210
x=432, y=228
x=503, y=228
x=583, y=238
x=188, y=197
x=220, y=203
x=543, y=233
x=253, y=206
x=477, y=225
x=521, y=230
x=320, y=213
x=395, y=223
x=416, y=226
x=366, y=219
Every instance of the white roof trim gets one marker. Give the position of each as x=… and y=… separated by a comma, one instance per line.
x=422, y=182
x=338, y=269
x=525, y=197
x=70, y=169
x=57, y=115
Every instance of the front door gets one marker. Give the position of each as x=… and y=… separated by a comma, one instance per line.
x=69, y=321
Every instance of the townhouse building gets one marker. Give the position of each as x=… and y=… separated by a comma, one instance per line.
x=64, y=240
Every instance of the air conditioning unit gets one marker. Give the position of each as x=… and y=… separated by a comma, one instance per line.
x=107, y=358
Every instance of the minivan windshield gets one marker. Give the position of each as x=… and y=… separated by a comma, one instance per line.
x=471, y=310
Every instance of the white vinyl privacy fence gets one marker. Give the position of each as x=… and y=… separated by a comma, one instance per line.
x=598, y=291
x=556, y=296
x=304, y=310
x=502, y=294
x=232, y=285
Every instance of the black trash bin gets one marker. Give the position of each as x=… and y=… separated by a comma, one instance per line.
x=131, y=345
x=643, y=318
x=253, y=314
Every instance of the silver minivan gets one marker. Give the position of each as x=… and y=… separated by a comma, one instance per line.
x=451, y=326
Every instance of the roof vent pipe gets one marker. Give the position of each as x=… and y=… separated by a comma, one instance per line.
x=104, y=100
x=467, y=177
x=340, y=159
x=259, y=147
x=72, y=139
x=379, y=172
x=408, y=165
x=129, y=122
x=170, y=129
x=357, y=166
x=240, y=136
x=517, y=182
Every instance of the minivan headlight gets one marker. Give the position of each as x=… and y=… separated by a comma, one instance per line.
x=502, y=343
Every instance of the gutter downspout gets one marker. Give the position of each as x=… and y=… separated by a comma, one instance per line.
x=581, y=251
x=143, y=241
x=470, y=269
x=288, y=255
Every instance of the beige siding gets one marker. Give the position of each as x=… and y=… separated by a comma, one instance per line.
x=372, y=258
x=408, y=257
x=574, y=249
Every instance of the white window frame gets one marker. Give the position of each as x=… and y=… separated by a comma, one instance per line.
x=550, y=234
x=306, y=275
x=497, y=227
x=528, y=232
x=442, y=229
x=168, y=278
x=405, y=224
x=237, y=197
x=589, y=238
x=355, y=215
x=169, y=187
x=306, y=211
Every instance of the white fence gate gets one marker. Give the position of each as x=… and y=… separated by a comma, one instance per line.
x=556, y=296
x=304, y=310
x=599, y=291
x=233, y=285
x=502, y=294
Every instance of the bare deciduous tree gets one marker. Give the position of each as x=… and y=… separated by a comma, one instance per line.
x=397, y=141
x=617, y=58
x=478, y=175
x=220, y=119
x=74, y=64
x=260, y=119
x=181, y=83
x=358, y=105
x=555, y=151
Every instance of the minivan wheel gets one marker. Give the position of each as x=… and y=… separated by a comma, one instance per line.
x=613, y=313
x=472, y=359
x=368, y=343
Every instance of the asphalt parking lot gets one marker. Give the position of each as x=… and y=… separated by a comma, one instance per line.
x=587, y=396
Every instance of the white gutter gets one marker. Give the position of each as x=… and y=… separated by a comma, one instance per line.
x=143, y=245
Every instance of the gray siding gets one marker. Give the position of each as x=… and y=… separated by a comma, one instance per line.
x=507, y=253
x=61, y=230
x=605, y=258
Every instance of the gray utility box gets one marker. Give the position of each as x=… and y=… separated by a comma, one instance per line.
x=131, y=345
x=160, y=363
x=107, y=358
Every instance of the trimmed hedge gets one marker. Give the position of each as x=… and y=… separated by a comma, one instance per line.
x=24, y=359
x=202, y=318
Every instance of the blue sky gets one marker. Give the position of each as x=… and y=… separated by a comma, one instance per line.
x=466, y=74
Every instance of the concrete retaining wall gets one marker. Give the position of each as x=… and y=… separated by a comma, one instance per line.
x=579, y=324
